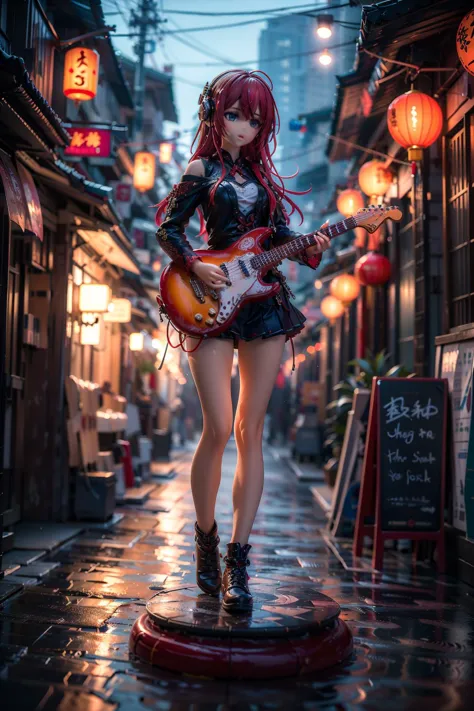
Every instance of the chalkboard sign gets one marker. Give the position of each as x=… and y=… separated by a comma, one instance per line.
x=403, y=473
x=411, y=453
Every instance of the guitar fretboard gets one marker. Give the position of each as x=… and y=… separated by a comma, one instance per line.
x=275, y=255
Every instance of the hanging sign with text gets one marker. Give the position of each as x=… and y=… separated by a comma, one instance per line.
x=403, y=478
x=89, y=141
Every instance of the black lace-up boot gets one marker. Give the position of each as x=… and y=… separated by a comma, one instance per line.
x=208, y=563
x=237, y=597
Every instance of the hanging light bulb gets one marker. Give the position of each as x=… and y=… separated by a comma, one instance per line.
x=324, y=28
x=325, y=58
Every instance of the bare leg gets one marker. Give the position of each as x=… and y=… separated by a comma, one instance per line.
x=259, y=362
x=211, y=367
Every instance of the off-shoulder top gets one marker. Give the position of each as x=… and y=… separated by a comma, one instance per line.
x=227, y=218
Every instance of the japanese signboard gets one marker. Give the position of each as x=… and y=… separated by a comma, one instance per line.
x=89, y=142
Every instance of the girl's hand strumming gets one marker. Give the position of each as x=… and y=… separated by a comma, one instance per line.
x=210, y=274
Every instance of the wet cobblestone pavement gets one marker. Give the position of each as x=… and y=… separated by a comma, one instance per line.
x=64, y=635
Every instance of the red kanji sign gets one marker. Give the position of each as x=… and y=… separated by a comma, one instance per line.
x=89, y=142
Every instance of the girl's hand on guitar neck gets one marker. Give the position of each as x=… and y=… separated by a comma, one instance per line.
x=210, y=274
x=322, y=243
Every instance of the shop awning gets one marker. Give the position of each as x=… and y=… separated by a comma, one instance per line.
x=109, y=245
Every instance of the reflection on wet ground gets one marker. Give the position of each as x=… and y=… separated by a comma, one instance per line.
x=64, y=636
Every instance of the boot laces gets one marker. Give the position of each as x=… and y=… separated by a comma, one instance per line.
x=207, y=544
x=237, y=571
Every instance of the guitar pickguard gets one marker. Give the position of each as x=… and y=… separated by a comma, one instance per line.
x=230, y=297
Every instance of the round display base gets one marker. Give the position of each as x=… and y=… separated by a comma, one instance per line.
x=291, y=630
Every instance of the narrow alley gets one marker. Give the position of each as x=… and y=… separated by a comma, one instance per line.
x=64, y=636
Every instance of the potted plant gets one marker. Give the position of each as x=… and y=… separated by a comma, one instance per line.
x=337, y=411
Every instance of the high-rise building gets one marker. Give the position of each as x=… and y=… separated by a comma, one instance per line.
x=289, y=48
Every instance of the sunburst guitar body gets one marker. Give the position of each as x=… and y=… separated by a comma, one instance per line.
x=197, y=310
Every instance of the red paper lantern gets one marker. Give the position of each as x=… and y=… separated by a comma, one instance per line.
x=345, y=287
x=464, y=42
x=415, y=121
x=374, y=178
x=373, y=269
x=349, y=201
x=81, y=73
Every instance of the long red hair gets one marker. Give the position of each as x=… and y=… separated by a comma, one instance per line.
x=253, y=89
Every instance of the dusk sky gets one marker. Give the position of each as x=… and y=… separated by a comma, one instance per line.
x=192, y=68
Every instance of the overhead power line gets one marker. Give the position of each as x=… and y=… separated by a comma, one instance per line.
x=226, y=26
x=308, y=6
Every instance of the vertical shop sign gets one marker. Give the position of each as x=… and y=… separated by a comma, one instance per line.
x=13, y=191
x=34, y=217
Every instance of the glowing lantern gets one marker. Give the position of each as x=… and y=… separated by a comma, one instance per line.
x=373, y=269
x=345, y=287
x=332, y=308
x=91, y=332
x=349, y=201
x=374, y=178
x=324, y=28
x=136, y=341
x=144, y=171
x=325, y=58
x=81, y=73
x=166, y=152
x=464, y=43
x=156, y=266
x=94, y=297
x=415, y=121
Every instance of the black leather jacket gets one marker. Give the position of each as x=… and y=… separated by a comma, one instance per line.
x=225, y=222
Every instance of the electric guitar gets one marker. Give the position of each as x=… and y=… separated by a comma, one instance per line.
x=198, y=310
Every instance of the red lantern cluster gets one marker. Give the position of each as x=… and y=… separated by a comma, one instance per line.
x=373, y=269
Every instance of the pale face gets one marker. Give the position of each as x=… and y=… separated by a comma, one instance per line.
x=239, y=130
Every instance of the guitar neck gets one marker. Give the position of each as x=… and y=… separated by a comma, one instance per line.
x=275, y=255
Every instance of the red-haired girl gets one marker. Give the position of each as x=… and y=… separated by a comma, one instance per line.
x=232, y=178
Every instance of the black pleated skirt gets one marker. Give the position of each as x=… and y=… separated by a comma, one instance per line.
x=263, y=319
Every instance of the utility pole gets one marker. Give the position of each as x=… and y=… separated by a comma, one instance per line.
x=145, y=20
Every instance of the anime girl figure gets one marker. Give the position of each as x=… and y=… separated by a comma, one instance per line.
x=232, y=178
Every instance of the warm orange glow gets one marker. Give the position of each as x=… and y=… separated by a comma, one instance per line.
x=166, y=152
x=332, y=308
x=318, y=284
x=374, y=178
x=464, y=43
x=156, y=266
x=317, y=347
x=81, y=73
x=311, y=349
x=345, y=287
x=144, y=171
x=415, y=121
x=349, y=201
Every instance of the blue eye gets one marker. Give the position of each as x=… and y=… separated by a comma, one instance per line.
x=254, y=123
x=230, y=116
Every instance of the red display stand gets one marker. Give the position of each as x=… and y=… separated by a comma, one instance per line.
x=291, y=630
x=398, y=419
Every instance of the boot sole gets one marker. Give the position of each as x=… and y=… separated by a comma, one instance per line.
x=241, y=607
x=214, y=592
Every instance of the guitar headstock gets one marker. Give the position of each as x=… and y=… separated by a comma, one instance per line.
x=371, y=217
